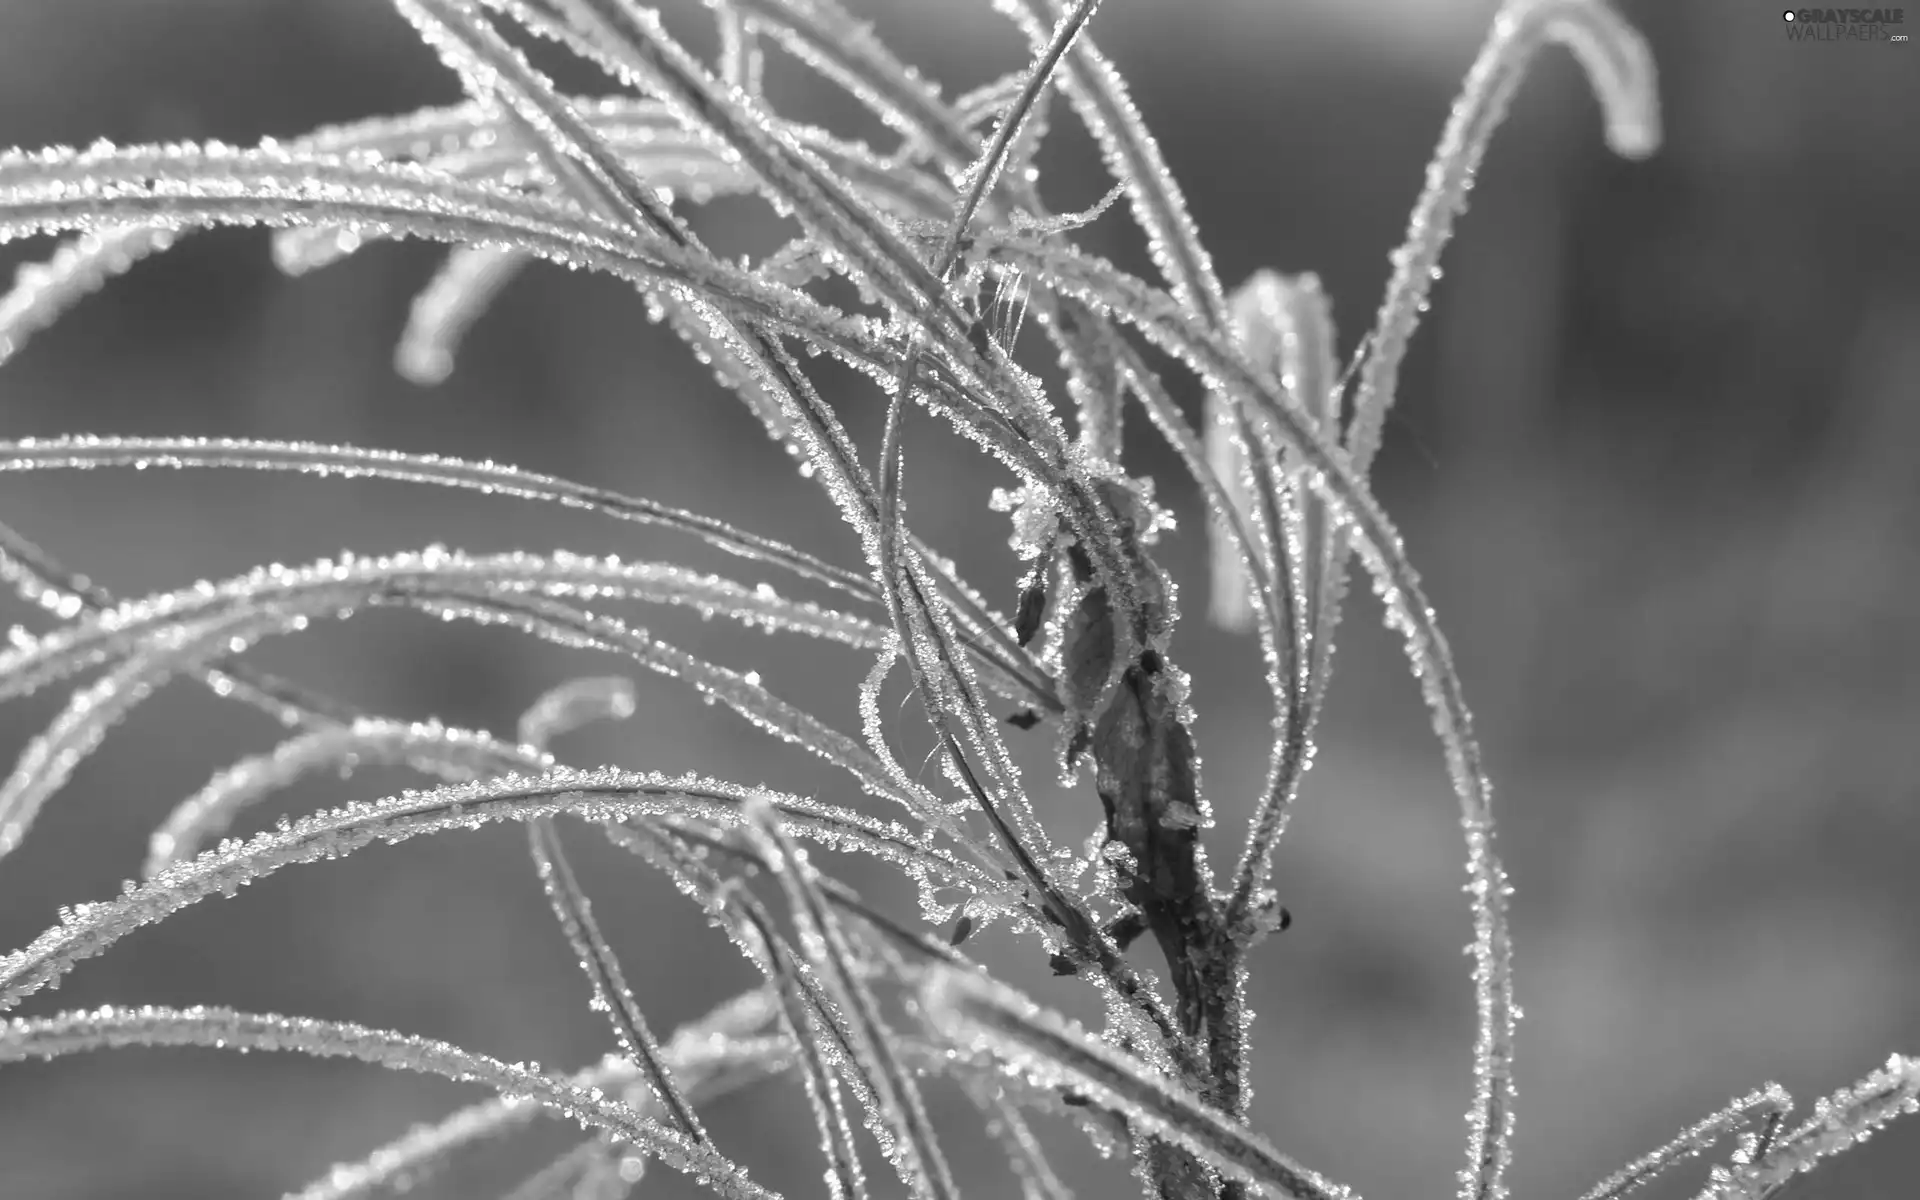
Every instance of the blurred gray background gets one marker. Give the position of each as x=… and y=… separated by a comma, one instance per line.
x=1653, y=456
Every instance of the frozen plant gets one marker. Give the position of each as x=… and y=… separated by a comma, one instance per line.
x=946, y=244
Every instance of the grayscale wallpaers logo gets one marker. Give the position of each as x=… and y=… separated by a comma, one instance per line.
x=1846, y=24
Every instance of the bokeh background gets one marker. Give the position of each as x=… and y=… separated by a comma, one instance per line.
x=1654, y=455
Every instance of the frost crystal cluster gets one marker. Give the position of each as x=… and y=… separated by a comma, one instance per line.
x=948, y=249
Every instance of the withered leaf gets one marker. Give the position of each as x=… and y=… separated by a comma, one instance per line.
x=1088, y=650
x=1026, y=619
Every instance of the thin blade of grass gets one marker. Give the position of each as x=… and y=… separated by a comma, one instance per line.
x=823, y=35
x=740, y=60
x=558, y=711
x=425, y=745
x=1100, y=97
x=433, y=572
x=1839, y=1122
x=1620, y=68
x=447, y=307
x=602, y=795
x=1768, y=1104
x=476, y=143
x=915, y=1152
x=208, y=185
x=998, y=1022
x=109, y=1028
x=685, y=854
x=1025, y=1153
x=326, y=717
x=843, y=49
x=1284, y=323
x=490, y=67
x=810, y=1032
x=51, y=758
x=713, y=1056
x=567, y=1177
x=42, y=292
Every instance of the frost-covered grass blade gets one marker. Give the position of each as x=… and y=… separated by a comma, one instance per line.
x=106, y=1028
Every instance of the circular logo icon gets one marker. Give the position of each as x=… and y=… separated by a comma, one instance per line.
x=1788, y=15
